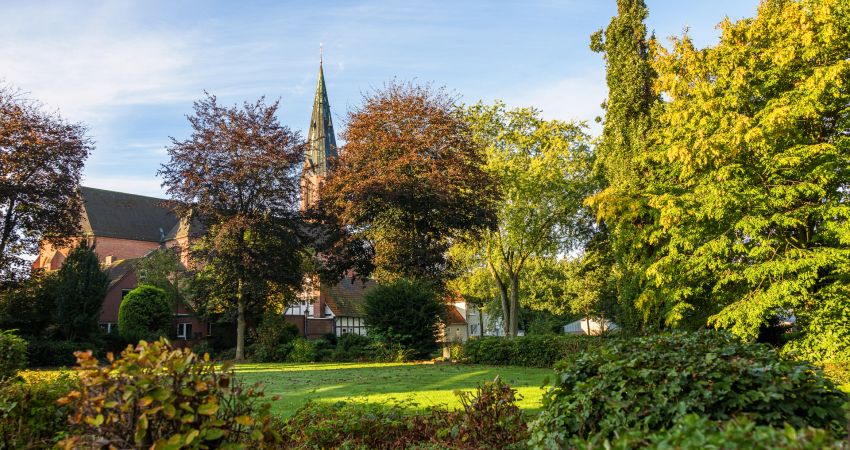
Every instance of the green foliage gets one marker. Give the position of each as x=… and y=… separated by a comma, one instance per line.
x=81, y=286
x=528, y=351
x=405, y=314
x=302, y=351
x=488, y=418
x=13, y=355
x=273, y=338
x=647, y=384
x=54, y=353
x=27, y=306
x=351, y=347
x=145, y=314
x=162, y=268
x=29, y=414
x=156, y=396
x=693, y=432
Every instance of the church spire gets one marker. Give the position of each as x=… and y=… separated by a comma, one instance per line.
x=321, y=142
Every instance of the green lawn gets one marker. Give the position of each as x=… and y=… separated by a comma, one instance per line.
x=417, y=385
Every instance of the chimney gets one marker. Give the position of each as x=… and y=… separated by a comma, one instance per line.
x=108, y=260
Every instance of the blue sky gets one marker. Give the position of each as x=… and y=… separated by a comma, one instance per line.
x=130, y=70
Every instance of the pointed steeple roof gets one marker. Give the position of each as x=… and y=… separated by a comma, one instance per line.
x=321, y=142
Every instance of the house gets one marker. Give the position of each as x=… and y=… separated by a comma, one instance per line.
x=123, y=228
x=590, y=326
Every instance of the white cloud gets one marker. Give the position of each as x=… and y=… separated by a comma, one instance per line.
x=571, y=98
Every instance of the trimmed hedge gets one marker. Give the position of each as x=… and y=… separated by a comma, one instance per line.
x=648, y=384
x=145, y=314
x=527, y=351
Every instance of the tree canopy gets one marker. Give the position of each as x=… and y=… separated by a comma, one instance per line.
x=80, y=288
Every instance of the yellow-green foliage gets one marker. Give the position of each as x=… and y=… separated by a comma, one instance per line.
x=29, y=414
x=158, y=396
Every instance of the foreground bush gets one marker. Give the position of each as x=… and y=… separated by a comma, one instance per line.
x=489, y=418
x=29, y=414
x=145, y=314
x=528, y=351
x=162, y=397
x=693, y=432
x=647, y=384
x=13, y=355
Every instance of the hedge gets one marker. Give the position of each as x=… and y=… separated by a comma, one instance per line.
x=528, y=351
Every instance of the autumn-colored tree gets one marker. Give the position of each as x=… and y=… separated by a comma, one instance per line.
x=238, y=173
x=41, y=159
x=408, y=182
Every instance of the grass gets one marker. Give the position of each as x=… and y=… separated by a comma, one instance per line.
x=415, y=385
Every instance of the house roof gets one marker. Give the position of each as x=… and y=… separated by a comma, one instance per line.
x=125, y=216
x=345, y=299
x=118, y=269
x=191, y=227
x=455, y=317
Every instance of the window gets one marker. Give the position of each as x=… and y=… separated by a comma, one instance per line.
x=184, y=330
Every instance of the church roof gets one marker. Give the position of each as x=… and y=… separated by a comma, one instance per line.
x=321, y=141
x=345, y=299
x=125, y=216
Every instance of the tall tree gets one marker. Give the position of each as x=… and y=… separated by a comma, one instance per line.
x=622, y=204
x=408, y=182
x=162, y=268
x=758, y=131
x=238, y=172
x=80, y=288
x=544, y=170
x=41, y=159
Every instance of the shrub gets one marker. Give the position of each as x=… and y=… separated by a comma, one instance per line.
x=351, y=347
x=405, y=314
x=693, y=432
x=29, y=414
x=303, y=351
x=528, y=351
x=273, y=339
x=145, y=314
x=647, y=384
x=158, y=396
x=50, y=353
x=13, y=355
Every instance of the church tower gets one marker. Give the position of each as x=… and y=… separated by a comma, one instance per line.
x=321, y=146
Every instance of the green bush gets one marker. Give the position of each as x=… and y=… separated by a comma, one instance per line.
x=29, y=414
x=352, y=347
x=158, y=396
x=51, y=353
x=13, y=355
x=273, y=339
x=528, y=351
x=405, y=314
x=647, y=384
x=145, y=314
x=303, y=351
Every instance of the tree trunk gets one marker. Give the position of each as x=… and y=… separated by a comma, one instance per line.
x=8, y=225
x=240, y=323
x=503, y=298
x=514, y=305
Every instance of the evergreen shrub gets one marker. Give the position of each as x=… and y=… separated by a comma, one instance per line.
x=351, y=347
x=405, y=314
x=303, y=351
x=13, y=355
x=145, y=314
x=528, y=351
x=647, y=384
x=52, y=353
x=273, y=339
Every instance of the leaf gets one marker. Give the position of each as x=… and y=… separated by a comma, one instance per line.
x=208, y=409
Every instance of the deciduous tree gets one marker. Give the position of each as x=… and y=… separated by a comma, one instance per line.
x=238, y=172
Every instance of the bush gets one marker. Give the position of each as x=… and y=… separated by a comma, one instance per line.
x=352, y=347
x=303, y=351
x=13, y=355
x=405, y=314
x=528, y=351
x=145, y=314
x=647, y=384
x=29, y=414
x=162, y=397
x=273, y=339
x=50, y=353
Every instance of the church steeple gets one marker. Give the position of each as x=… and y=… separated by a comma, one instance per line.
x=321, y=145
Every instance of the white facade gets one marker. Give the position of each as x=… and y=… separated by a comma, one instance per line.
x=589, y=326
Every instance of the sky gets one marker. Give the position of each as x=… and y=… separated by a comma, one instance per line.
x=130, y=70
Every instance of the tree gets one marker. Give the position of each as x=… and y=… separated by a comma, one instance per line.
x=405, y=314
x=756, y=219
x=238, y=173
x=145, y=314
x=544, y=171
x=162, y=268
x=28, y=305
x=622, y=203
x=81, y=286
x=41, y=159
x=408, y=182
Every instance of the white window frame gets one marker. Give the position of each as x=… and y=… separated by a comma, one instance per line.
x=181, y=330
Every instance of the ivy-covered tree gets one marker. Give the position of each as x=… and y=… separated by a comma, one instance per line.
x=238, y=173
x=757, y=219
x=80, y=288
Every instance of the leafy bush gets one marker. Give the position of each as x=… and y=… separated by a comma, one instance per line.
x=273, y=339
x=162, y=397
x=693, y=432
x=647, y=384
x=528, y=351
x=405, y=314
x=145, y=314
x=51, y=353
x=29, y=414
x=488, y=419
x=351, y=347
x=303, y=351
x=13, y=355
